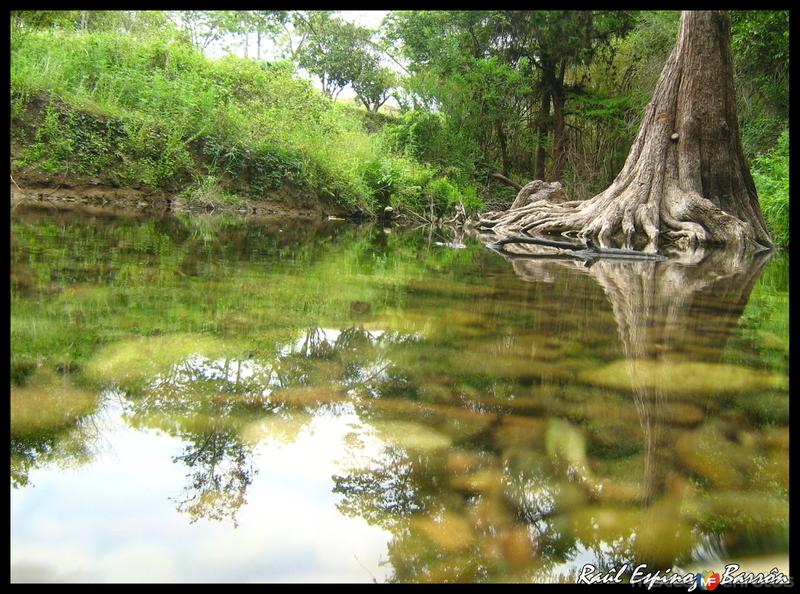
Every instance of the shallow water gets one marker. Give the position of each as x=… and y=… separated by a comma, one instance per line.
x=220, y=399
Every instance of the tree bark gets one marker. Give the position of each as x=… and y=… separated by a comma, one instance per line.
x=558, y=98
x=685, y=180
x=542, y=129
x=501, y=138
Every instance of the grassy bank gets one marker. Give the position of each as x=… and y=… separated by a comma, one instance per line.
x=156, y=113
x=771, y=175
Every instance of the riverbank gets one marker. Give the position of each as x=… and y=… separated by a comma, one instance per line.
x=93, y=113
x=62, y=190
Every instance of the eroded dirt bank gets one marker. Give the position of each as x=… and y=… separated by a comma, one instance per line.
x=33, y=185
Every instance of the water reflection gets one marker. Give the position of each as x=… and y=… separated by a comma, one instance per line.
x=51, y=421
x=468, y=426
x=674, y=319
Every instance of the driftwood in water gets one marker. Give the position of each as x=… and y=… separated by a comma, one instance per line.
x=588, y=251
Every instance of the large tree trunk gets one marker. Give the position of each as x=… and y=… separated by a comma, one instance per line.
x=541, y=132
x=686, y=179
x=559, y=144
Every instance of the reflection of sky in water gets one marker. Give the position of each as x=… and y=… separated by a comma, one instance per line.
x=113, y=519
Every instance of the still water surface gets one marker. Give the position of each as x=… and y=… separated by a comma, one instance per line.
x=221, y=399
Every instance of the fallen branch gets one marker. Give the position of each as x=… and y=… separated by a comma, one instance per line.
x=504, y=180
x=407, y=211
x=588, y=251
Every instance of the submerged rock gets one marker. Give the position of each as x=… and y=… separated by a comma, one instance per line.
x=614, y=437
x=410, y=436
x=489, y=514
x=712, y=456
x=662, y=537
x=566, y=446
x=131, y=362
x=601, y=523
x=682, y=377
x=520, y=433
x=461, y=461
x=484, y=482
x=517, y=546
x=656, y=534
x=617, y=492
x=739, y=511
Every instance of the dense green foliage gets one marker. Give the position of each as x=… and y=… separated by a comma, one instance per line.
x=531, y=94
x=154, y=111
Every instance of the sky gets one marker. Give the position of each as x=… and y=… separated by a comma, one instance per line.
x=364, y=18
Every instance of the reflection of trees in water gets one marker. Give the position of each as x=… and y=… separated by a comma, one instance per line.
x=52, y=422
x=209, y=404
x=206, y=403
x=69, y=447
x=351, y=359
x=221, y=470
x=381, y=490
x=660, y=309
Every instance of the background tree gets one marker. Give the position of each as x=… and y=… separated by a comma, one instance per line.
x=204, y=27
x=373, y=83
x=553, y=41
x=760, y=43
x=334, y=50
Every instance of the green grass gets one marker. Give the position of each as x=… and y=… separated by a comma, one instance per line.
x=771, y=176
x=155, y=112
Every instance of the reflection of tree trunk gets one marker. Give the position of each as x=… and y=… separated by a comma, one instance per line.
x=662, y=310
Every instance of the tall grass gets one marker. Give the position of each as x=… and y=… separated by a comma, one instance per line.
x=157, y=112
x=771, y=176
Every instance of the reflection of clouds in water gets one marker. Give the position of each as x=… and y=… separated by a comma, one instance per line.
x=290, y=530
x=35, y=572
x=113, y=520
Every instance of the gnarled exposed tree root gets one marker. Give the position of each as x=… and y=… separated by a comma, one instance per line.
x=628, y=217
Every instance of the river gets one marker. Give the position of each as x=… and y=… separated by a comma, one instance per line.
x=214, y=398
